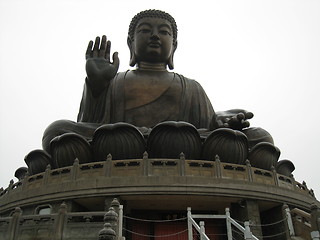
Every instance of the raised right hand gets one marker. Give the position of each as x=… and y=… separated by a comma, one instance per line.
x=99, y=69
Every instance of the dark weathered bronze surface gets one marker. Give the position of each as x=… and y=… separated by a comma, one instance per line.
x=230, y=145
x=170, y=139
x=264, y=155
x=121, y=140
x=149, y=94
x=37, y=161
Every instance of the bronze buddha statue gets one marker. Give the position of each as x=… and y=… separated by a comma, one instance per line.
x=147, y=95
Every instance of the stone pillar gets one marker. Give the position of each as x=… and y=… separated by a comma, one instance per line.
x=249, y=170
x=111, y=202
x=218, y=166
x=190, y=232
x=14, y=223
x=115, y=204
x=228, y=223
x=59, y=222
x=315, y=218
x=288, y=221
x=182, y=163
x=247, y=232
x=145, y=164
x=254, y=217
x=248, y=210
x=107, y=233
x=120, y=223
x=274, y=223
x=315, y=222
x=202, y=230
x=111, y=217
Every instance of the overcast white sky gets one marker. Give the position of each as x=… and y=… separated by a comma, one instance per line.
x=263, y=56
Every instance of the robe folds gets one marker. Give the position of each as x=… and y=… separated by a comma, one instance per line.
x=180, y=99
x=183, y=100
x=110, y=106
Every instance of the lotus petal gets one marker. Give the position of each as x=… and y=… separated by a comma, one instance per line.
x=121, y=140
x=230, y=145
x=37, y=161
x=264, y=155
x=257, y=135
x=68, y=147
x=285, y=167
x=21, y=172
x=169, y=139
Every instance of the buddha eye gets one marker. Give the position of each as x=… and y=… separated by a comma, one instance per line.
x=144, y=30
x=164, y=32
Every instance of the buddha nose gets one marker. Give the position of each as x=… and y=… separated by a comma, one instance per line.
x=155, y=35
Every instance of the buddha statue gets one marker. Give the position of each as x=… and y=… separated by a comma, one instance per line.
x=146, y=96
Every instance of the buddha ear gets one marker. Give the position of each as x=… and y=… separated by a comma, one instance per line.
x=170, y=61
x=133, y=61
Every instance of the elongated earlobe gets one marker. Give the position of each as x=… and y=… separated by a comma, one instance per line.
x=132, y=61
x=170, y=60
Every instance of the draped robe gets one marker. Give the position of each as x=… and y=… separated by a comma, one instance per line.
x=183, y=100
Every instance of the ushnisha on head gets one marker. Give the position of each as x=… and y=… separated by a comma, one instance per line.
x=152, y=38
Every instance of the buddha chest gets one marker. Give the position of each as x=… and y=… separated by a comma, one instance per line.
x=151, y=97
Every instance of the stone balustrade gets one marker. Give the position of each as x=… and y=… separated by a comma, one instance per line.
x=51, y=226
x=145, y=172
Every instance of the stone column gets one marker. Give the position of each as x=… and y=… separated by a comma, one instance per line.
x=115, y=204
x=60, y=221
x=288, y=221
x=275, y=223
x=315, y=222
x=111, y=217
x=248, y=210
x=14, y=223
x=254, y=217
x=111, y=202
x=107, y=233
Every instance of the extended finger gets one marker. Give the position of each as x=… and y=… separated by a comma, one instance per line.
x=235, y=122
x=89, y=50
x=107, y=53
x=245, y=124
x=115, y=60
x=233, y=119
x=96, y=47
x=240, y=116
x=103, y=46
x=249, y=115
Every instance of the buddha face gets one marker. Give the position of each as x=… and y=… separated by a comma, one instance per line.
x=153, y=41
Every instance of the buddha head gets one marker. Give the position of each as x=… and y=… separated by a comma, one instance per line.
x=152, y=38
